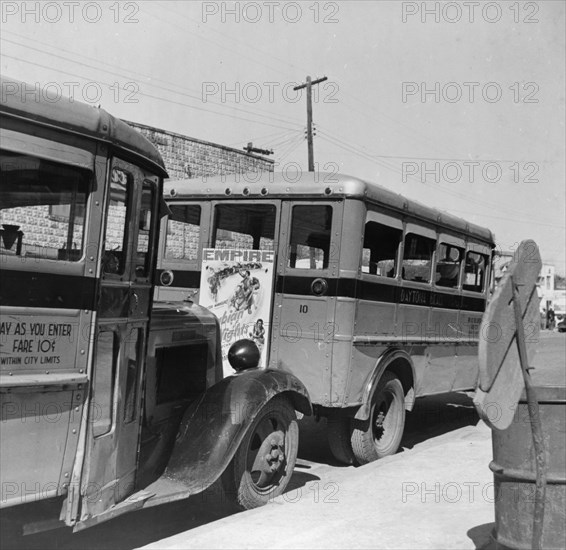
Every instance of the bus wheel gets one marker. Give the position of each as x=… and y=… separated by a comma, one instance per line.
x=381, y=436
x=264, y=461
x=338, y=435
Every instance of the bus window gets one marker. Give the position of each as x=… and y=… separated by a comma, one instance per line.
x=115, y=240
x=310, y=237
x=183, y=232
x=417, y=258
x=244, y=226
x=42, y=208
x=474, y=273
x=143, y=259
x=380, y=249
x=448, y=265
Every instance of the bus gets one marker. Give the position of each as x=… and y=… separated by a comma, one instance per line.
x=375, y=299
x=109, y=402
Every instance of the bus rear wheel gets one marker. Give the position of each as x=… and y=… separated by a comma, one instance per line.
x=264, y=461
x=381, y=435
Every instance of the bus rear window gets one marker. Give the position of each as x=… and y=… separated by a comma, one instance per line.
x=244, y=226
x=42, y=208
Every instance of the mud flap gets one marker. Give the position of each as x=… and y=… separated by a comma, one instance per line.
x=214, y=426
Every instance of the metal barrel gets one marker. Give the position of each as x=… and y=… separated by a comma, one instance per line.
x=514, y=472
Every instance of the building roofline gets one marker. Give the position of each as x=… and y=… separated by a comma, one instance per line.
x=199, y=141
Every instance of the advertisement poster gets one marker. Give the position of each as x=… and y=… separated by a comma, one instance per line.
x=237, y=286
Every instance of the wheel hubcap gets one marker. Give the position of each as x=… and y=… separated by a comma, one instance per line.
x=268, y=459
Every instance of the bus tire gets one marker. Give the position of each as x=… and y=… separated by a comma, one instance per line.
x=264, y=461
x=381, y=435
x=338, y=435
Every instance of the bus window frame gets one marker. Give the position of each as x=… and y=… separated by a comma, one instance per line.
x=182, y=262
x=427, y=232
x=127, y=239
x=374, y=216
x=84, y=157
x=336, y=237
x=252, y=200
x=456, y=242
x=152, y=181
x=478, y=248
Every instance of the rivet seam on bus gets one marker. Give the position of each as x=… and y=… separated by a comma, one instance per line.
x=264, y=191
x=82, y=352
x=228, y=191
x=66, y=474
x=78, y=396
x=74, y=431
x=77, y=409
x=46, y=372
x=81, y=371
x=90, y=270
x=91, y=258
x=97, y=203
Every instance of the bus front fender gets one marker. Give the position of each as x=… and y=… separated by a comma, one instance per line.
x=397, y=361
x=214, y=426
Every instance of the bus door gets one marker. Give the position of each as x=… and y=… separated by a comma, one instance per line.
x=238, y=286
x=120, y=338
x=306, y=288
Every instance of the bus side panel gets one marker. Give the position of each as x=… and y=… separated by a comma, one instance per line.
x=466, y=367
x=39, y=429
x=340, y=333
x=298, y=345
x=412, y=321
x=439, y=371
x=375, y=319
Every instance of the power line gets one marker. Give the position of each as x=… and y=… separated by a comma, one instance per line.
x=253, y=113
x=144, y=93
x=440, y=187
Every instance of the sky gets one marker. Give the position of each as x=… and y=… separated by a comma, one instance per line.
x=459, y=105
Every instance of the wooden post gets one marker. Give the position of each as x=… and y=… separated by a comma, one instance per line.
x=308, y=85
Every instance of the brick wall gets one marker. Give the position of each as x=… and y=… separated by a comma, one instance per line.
x=187, y=157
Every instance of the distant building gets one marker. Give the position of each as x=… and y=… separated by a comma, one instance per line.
x=545, y=281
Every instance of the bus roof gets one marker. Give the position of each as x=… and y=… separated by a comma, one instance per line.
x=26, y=101
x=313, y=186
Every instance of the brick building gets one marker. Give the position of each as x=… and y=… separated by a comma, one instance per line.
x=187, y=157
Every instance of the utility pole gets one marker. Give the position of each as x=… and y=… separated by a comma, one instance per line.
x=308, y=85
